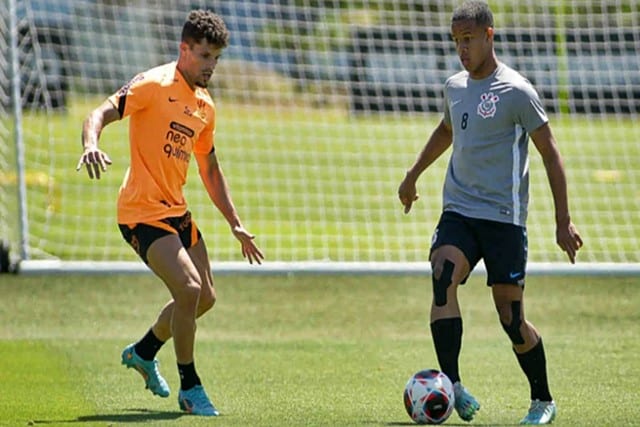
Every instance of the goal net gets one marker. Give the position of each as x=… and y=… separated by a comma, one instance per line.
x=321, y=106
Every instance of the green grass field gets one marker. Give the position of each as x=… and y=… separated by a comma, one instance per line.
x=309, y=350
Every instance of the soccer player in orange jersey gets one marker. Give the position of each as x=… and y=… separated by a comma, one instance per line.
x=171, y=116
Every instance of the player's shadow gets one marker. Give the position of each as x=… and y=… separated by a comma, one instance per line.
x=132, y=415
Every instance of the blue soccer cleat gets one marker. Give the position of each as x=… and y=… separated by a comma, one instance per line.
x=196, y=402
x=148, y=369
x=465, y=404
x=540, y=413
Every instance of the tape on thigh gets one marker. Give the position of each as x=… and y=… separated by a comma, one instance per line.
x=440, y=285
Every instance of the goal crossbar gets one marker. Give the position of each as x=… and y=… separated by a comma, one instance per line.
x=321, y=267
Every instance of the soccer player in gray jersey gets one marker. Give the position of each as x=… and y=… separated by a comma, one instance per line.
x=490, y=111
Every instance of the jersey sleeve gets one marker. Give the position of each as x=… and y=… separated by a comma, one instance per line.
x=445, y=105
x=205, y=143
x=530, y=112
x=135, y=95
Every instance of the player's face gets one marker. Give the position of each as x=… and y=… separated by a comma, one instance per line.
x=198, y=61
x=474, y=45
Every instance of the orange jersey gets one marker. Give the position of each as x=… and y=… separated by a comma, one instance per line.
x=168, y=121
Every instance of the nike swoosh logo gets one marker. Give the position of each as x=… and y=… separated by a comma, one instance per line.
x=456, y=102
x=172, y=99
x=514, y=275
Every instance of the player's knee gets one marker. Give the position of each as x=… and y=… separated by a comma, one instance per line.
x=441, y=278
x=511, y=321
x=187, y=294
x=207, y=301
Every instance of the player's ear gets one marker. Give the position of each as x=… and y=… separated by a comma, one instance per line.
x=490, y=32
x=184, y=47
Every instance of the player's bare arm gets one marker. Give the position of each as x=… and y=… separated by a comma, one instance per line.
x=216, y=185
x=95, y=159
x=567, y=236
x=437, y=144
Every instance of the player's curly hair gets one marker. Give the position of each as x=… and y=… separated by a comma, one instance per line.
x=202, y=24
x=477, y=11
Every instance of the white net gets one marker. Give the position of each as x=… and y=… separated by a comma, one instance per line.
x=322, y=105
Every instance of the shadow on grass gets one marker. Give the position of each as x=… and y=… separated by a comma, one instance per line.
x=475, y=424
x=411, y=423
x=131, y=416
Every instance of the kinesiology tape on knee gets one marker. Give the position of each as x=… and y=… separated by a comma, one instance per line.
x=513, y=329
x=440, y=285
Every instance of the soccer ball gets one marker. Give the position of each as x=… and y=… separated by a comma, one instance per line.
x=428, y=397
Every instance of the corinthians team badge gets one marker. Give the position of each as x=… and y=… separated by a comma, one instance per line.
x=487, y=107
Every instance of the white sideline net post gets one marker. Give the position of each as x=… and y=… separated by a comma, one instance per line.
x=322, y=105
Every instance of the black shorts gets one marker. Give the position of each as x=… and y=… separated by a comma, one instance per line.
x=502, y=246
x=140, y=236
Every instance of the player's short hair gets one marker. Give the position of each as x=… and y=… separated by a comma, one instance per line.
x=477, y=11
x=201, y=24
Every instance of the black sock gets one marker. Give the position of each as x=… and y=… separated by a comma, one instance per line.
x=148, y=346
x=534, y=366
x=188, y=376
x=447, y=339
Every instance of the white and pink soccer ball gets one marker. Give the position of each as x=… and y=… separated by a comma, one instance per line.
x=428, y=397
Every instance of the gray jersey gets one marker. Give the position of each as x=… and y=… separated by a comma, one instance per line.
x=488, y=174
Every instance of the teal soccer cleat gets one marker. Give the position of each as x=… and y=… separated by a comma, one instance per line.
x=195, y=401
x=540, y=413
x=466, y=405
x=148, y=369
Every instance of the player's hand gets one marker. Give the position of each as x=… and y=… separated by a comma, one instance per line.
x=407, y=193
x=96, y=161
x=569, y=240
x=249, y=248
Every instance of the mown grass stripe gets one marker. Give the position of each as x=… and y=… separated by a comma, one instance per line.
x=37, y=384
